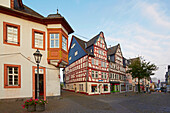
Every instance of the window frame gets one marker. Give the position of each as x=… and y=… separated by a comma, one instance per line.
x=6, y=76
x=64, y=42
x=5, y=25
x=54, y=40
x=33, y=39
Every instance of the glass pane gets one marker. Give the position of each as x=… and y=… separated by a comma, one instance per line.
x=10, y=70
x=9, y=29
x=15, y=80
x=52, y=43
x=10, y=80
x=56, y=43
x=52, y=36
x=15, y=70
x=56, y=36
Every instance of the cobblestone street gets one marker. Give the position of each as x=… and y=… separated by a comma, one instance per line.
x=71, y=102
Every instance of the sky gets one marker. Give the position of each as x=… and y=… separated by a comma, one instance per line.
x=142, y=27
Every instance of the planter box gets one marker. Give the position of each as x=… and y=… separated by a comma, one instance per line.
x=31, y=108
x=40, y=107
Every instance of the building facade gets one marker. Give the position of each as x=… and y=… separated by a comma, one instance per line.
x=167, y=76
x=119, y=80
x=88, y=69
x=23, y=31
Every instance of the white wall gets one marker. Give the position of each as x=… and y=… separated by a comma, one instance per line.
x=52, y=79
x=5, y=3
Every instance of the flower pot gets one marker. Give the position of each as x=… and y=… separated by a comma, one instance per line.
x=40, y=107
x=31, y=108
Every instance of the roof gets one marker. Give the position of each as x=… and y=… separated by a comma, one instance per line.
x=18, y=5
x=93, y=40
x=83, y=45
x=112, y=50
x=22, y=11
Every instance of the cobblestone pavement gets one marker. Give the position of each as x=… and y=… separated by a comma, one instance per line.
x=71, y=102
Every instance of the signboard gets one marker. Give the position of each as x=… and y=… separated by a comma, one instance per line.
x=100, y=80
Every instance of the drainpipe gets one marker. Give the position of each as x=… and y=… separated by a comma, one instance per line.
x=87, y=65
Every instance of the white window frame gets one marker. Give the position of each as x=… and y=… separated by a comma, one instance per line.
x=13, y=74
x=64, y=43
x=56, y=45
x=12, y=35
x=38, y=40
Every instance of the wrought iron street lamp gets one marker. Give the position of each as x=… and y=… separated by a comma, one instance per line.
x=37, y=56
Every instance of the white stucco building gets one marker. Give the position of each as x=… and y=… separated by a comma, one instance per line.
x=22, y=32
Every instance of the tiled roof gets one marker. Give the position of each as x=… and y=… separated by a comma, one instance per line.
x=92, y=41
x=83, y=44
x=25, y=9
x=112, y=50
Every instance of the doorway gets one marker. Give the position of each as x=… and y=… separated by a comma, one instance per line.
x=42, y=83
x=100, y=88
x=41, y=86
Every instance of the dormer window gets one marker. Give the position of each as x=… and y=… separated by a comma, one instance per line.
x=73, y=46
x=54, y=40
x=69, y=58
x=76, y=53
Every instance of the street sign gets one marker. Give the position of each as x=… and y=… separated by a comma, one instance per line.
x=100, y=80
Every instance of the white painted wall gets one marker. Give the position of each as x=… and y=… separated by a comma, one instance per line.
x=52, y=79
x=5, y=3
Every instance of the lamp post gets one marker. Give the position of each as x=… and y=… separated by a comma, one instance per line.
x=37, y=56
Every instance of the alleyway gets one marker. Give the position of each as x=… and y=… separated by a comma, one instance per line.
x=71, y=102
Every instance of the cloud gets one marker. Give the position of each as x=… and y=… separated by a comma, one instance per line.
x=153, y=12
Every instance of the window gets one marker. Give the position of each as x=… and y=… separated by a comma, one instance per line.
x=101, y=64
x=80, y=87
x=96, y=62
x=38, y=39
x=11, y=34
x=100, y=42
x=105, y=76
x=96, y=74
x=105, y=87
x=69, y=58
x=105, y=64
x=92, y=74
x=54, y=40
x=91, y=50
x=92, y=61
x=99, y=51
x=12, y=76
x=73, y=46
x=64, y=43
x=102, y=75
x=94, y=88
x=76, y=53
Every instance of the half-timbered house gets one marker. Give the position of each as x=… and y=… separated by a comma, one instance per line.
x=117, y=69
x=88, y=69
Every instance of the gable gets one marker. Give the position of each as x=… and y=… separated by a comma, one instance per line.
x=100, y=41
x=119, y=52
x=75, y=51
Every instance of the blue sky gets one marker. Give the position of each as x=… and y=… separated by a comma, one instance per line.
x=142, y=27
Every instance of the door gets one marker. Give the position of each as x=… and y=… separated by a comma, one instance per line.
x=100, y=88
x=42, y=83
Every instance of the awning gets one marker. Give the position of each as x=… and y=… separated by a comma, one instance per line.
x=94, y=85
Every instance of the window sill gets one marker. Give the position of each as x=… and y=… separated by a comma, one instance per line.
x=11, y=44
x=12, y=86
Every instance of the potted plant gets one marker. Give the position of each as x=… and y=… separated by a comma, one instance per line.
x=29, y=104
x=40, y=104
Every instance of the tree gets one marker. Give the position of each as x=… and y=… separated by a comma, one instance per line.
x=141, y=69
